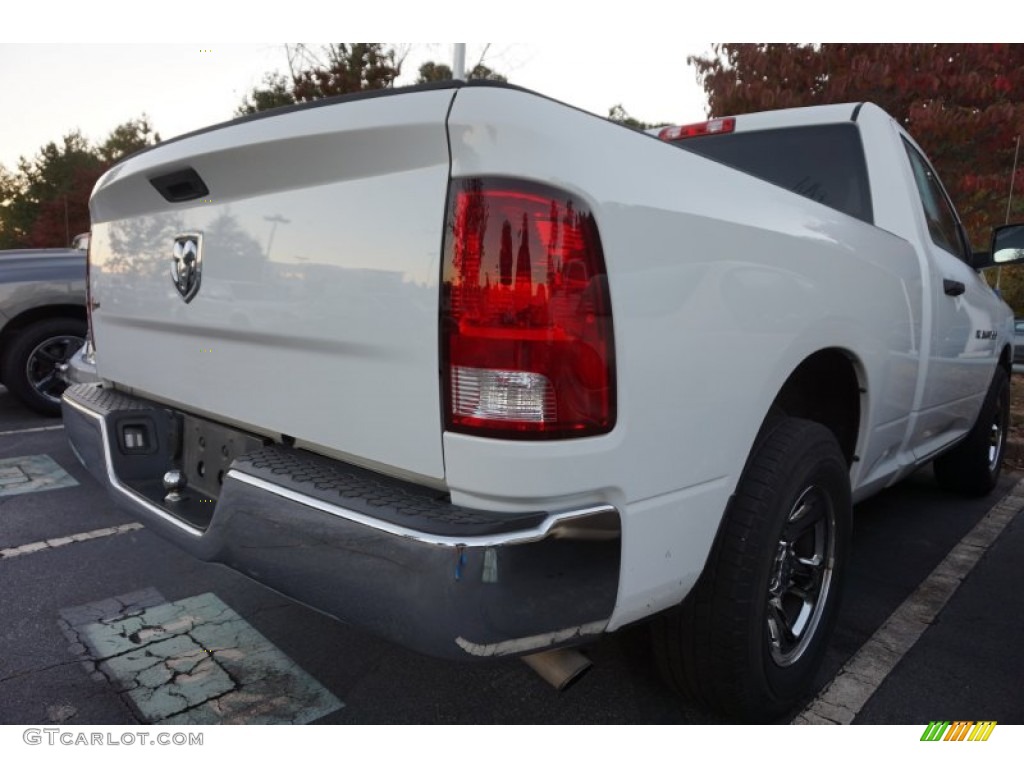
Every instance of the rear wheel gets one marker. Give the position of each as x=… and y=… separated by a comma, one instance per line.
x=973, y=466
x=35, y=361
x=750, y=637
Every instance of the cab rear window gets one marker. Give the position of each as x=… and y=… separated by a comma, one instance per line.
x=822, y=162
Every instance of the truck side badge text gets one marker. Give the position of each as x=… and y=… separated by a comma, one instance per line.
x=984, y=334
x=187, y=264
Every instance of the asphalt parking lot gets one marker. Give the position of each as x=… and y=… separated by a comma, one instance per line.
x=105, y=623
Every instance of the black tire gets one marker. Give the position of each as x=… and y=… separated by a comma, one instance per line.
x=728, y=646
x=32, y=357
x=973, y=466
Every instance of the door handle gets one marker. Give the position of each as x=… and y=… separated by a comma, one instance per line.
x=953, y=287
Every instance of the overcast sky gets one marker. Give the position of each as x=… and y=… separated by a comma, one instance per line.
x=94, y=87
x=593, y=56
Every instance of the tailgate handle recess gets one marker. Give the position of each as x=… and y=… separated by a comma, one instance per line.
x=180, y=186
x=953, y=287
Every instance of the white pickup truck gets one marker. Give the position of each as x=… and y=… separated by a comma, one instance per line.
x=488, y=375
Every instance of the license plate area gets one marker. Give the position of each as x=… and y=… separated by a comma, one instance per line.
x=208, y=450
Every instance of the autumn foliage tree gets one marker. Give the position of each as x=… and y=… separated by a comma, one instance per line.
x=618, y=114
x=46, y=201
x=963, y=103
x=342, y=68
x=432, y=72
x=337, y=69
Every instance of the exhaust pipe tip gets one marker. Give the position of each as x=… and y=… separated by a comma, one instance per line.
x=560, y=667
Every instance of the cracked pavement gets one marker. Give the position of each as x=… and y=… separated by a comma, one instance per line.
x=193, y=661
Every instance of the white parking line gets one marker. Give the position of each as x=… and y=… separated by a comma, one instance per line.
x=31, y=429
x=41, y=546
x=842, y=700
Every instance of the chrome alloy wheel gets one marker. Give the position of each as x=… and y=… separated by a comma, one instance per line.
x=47, y=364
x=801, y=575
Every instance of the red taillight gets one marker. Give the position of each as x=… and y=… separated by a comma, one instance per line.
x=526, y=322
x=675, y=132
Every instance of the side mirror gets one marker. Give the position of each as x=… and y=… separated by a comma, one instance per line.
x=1007, y=248
x=1008, y=244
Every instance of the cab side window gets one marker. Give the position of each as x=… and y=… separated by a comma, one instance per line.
x=938, y=211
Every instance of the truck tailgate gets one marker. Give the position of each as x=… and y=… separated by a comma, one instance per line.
x=316, y=313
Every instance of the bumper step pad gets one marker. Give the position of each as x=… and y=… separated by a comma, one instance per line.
x=367, y=493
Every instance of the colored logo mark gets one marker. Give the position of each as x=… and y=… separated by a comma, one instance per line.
x=958, y=730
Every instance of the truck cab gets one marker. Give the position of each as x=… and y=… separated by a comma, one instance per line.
x=856, y=159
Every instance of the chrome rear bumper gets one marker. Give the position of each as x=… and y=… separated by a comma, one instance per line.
x=378, y=553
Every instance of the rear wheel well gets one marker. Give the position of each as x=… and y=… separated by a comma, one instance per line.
x=34, y=315
x=825, y=388
x=37, y=314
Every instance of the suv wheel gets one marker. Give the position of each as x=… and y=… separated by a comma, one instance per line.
x=35, y=361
